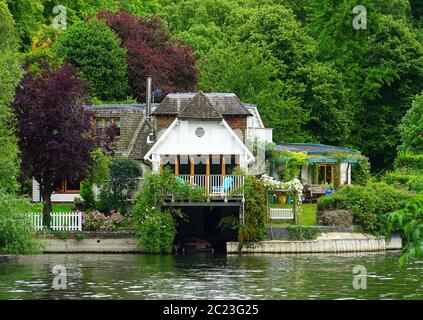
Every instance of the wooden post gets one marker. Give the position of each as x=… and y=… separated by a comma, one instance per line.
x=223, y=166
x=267, y=206
x=207, y=174
x=176, y=166
x=295, y=195
x=191, y=170
x=339, y=174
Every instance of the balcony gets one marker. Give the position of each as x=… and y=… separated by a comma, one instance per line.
x=216, y=185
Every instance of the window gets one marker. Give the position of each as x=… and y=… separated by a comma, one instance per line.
x=199, y=132
x=105, y=123
x=325, y=173
x=68, y=186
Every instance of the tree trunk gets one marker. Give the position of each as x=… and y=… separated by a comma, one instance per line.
x=47, y=208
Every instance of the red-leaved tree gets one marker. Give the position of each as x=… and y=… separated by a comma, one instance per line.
x=152, y=51
x=54, y=129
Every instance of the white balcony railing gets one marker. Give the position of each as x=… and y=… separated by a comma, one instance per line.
x=216, y=185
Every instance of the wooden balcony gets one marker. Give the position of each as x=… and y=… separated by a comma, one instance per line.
x=216, y=185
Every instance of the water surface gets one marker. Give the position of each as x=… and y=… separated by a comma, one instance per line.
x=127, y=276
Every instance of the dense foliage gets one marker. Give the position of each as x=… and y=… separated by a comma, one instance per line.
x=104, y=67
x=313, y=75
x=16, y=236
x=409, y=221
x=10, y=74
x=152, y=51
x=368, y=204
x=120, y=186
x=253, y=228
x=411, y=127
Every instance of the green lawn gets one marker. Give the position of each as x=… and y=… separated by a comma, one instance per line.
x=307, y=217
x=57, y=207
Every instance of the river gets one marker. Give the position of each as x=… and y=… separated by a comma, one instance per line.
x=130, y=276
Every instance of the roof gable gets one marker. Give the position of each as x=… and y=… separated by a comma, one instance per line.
x=200, y=108
x=223, y=103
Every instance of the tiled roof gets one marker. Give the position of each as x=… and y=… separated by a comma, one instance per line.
x=199, y=107
x=223, y=103
x=140, y=106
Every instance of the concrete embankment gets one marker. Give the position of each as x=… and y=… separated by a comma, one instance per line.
x=121, y=245
x=333, y=242
x=95, y=242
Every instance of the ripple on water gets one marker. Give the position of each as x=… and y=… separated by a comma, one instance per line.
x=214, y=277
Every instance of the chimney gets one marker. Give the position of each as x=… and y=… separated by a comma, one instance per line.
x=148, y=95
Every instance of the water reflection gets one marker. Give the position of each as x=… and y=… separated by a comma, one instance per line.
x=305, y=276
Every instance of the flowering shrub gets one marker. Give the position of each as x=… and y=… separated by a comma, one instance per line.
x=293, y=186
x=96, y=221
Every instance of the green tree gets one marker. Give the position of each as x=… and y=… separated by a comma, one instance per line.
x=78, y=10
x=381, y=67
x=121, y=186
x=315, y=86
x=28, y=15
x=411, y=127
x=10, y=76
x=95, y=50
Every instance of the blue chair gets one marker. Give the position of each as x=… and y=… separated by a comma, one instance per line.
x=225, y=187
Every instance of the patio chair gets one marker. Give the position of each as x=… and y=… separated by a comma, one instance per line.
x=225, y=187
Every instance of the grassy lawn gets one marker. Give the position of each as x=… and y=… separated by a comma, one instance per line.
x=57, y=207
x=307, y=217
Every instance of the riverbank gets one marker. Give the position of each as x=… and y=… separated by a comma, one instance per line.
x=330, y=242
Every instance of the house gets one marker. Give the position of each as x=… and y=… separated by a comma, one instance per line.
x=202, y=137
x=327, y=166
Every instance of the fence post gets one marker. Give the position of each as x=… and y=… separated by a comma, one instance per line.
x=79, y=221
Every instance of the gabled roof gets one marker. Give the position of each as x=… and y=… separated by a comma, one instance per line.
x=199, y=107
x=223, y=103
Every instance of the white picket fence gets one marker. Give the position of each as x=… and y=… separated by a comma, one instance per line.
x=281, y=214
x=59, y=221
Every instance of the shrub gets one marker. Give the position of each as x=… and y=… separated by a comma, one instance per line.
x=409, y=160
x=123, y=182
x=367, y=204
x=88, y=195
x=16, y=235
x=409, y=221
x=157, y=232
x=360, y=172
x=302, y=233
x=253, y=229
x=335, y=201
x=96, y=221
x=337, y=218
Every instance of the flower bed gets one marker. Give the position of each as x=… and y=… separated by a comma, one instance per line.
x=97, y=221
